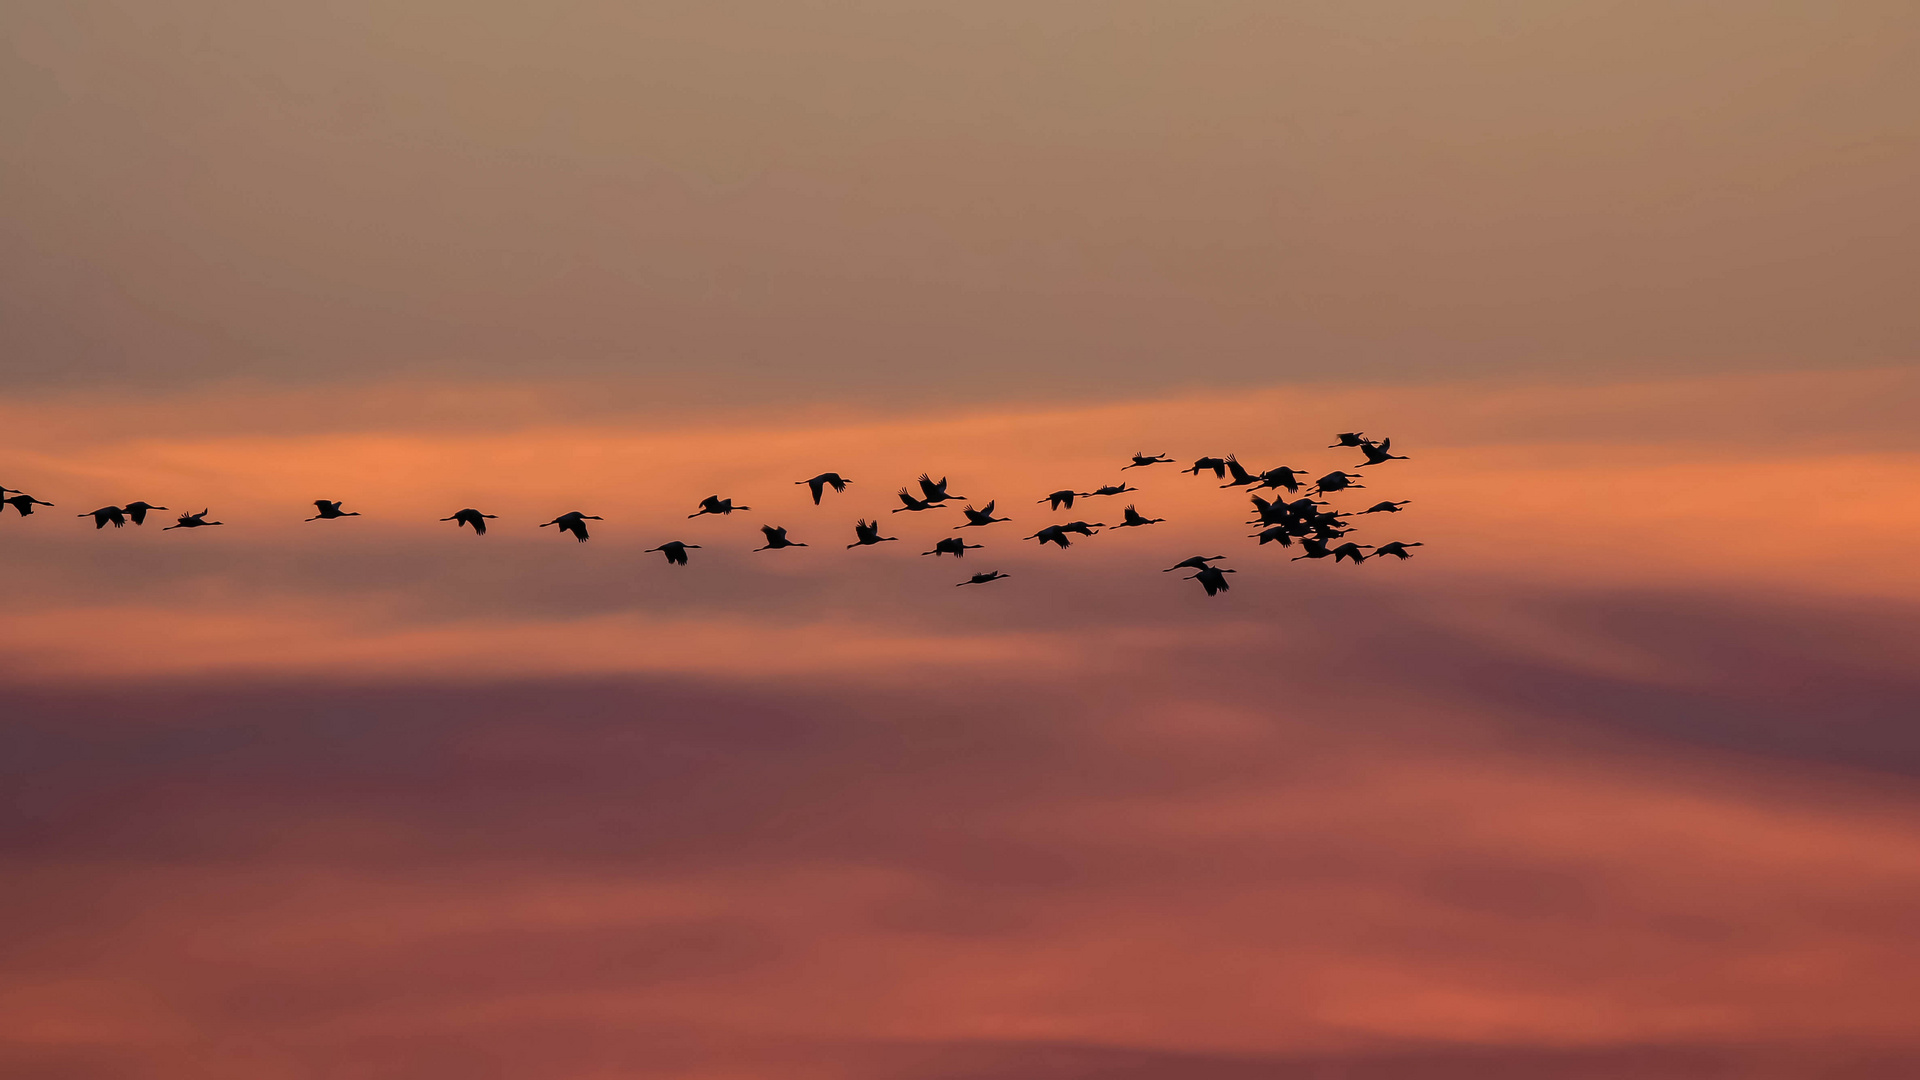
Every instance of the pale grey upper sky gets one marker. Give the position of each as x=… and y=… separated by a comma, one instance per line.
x=744, y=198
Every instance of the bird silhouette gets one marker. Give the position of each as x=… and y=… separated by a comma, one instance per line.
x=714, y=504
x=868, y=533
x=675, y=551
x=1282, y=477
x=1133, y=518
x=1397, y=549
x=1111, y=489
x=1141, y=461
x=330, y=510
x=1386, y=507
x=821, y=483
x=192, y=521
x=1052, y=534
x=982, y=579
x=908, y=502
x=1197, y=562
x=1218, y=465
x=777, y=539
x=1084, y=528
x=107, y=514
x=1063, y=497
x=1348, y=438
x=1213, y=579
x=951, y=545
x=982, y=516
x=1351, y=550
x=1377, y=453
x=25, y=503
x=137, y=511
x=1316, y=548
x=1241, y=477
x=1276, y=534
x=573, y=521
x=1335, y=481
x=471, y=517
x=936, y=493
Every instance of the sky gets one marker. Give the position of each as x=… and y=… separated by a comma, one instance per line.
x=1615, y=777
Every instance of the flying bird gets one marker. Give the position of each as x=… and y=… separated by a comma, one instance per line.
x=951, y=545
x=25, y=503
x=137, y=511
x=1111, y=489
x=1386, y=507
x=1052, y=534
x=1063, y=497
x=1282, y=477
x=1377, y=453
x=675, y=551
x=1134, y=518
x=714, y=504
x=1198, y=562
x=821, y=483
x=908, y=502
x=1082, y=527
x=329, y=510
x=982, y=579
x=936, y=493
x=470, y=517
x=1141, y=461
x=1218, y=465
x=777, y=538
x=1349, y=438
x=868, y=533
x=1335, y=481
x=573, y=521
x=1351, y=550
x=1316, y=548
x=1277, y=534
x=1213, y=579
x=107, y=514
x=192, y=521
x=1397, y=549
x=980, y=517
x=1241, y=477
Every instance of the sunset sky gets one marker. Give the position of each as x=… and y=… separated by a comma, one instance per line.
x=1614, y=778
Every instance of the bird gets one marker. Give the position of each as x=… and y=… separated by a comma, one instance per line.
x=137, y=511
x=1315, y=546
x=1141, y=461
x=573, y=521
x=1397, y=549
x=1084, y=528
x=24, y=503
x=192, y=521
x=1111, y=489
x=714, y=504
x=1218, y=465
x=1052, y=534
x=1198, y=562
x=1134, y=518
x=107, y=514
x=951, y=545
x=1276, y=534
x=1335, y=481
x=471, y=517
x=1213, y=579
x=777, y=538
x=868, y=533
x=1386, y=507
x=911, y=503
x=1377, y=453
x=1063, y=497
x=1241, y=477
x=819, y=484
x=982, y=516
x=1348, y=438
x=329, y=510
x=675, y=551
x=936, y=493
x=1351, y=550
x=982, y=579
x=1282, y=477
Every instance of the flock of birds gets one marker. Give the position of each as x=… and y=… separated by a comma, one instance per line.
x=1291, y=516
